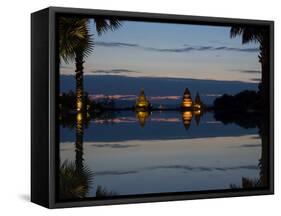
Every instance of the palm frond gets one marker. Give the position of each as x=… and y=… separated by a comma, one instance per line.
x=235, y=31
x=102, y=25
x=74, y=37
x=248, y=34
x=74, y=183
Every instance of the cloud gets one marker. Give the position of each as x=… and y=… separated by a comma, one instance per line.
x=185, y=48
x=256, y=79
x=250, y=71
x=246, y=146
x=250, y=145
x=115, y=120
x=171, y=120
x=132, y=97
x=171, y=97
x=201, y=168
x=115, y=44
x=117, y=146
x=115, y=97
x=173, y=50
x=105, y=173
x=235, y=49
x=115, y=71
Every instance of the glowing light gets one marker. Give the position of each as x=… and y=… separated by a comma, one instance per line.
x=79, y=105
x=79, y=117
x=198, y=102
x=187, y=101
x=142, y=102
x=187, y=115
x=186, y=118
x=197, y=112
x=142, y=116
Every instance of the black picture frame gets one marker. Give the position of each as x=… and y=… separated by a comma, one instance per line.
x=44, y=88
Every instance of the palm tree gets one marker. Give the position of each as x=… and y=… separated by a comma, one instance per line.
x=76, y=43
x=258, y=35
x=74, y=183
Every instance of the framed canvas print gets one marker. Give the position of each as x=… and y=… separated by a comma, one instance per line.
x=139, y=107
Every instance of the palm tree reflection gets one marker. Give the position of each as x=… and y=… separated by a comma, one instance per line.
x=76, y=178
x=74, y=183
x=79, y=141
x=263, y=179
x=103, y=192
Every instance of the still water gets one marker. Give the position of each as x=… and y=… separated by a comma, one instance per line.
x=141, y=153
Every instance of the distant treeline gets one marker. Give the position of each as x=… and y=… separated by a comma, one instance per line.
x=246, y=109
x=243, y=101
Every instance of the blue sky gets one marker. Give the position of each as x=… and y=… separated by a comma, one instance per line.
x=144, y=49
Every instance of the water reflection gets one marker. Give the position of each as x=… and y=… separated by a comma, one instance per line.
x=76, y=178
x=186, y=118
x=170, y=144
x=142, y=117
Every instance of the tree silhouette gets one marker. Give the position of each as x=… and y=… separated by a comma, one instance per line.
x=74, y=183
x=76, y=43
x=258, y=35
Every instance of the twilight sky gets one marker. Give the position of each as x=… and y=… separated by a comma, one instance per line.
x=144, y=49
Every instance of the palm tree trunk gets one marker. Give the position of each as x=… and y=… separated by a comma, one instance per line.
x=80, y=112
x=263, y=163
x=79, y=82
x=79, y=143
x=264, y=60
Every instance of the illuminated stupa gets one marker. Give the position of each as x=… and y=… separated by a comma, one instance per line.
x=197, y=102
x=142, y=103
x=186, y=101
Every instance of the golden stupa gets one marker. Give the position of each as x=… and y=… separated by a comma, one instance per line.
x=186, y=101
x=142, y=103
x=197, y=102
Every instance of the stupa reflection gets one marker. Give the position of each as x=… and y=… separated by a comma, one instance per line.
x=142, y=116
x=188, y=115
x=198, y=113
x=186, y=118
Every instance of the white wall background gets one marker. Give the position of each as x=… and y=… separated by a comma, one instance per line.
x=15, y=114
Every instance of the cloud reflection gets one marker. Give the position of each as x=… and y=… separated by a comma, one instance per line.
x=176, y=167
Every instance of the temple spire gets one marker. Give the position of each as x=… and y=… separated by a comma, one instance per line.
x=142, y=102
x=198, y=103
x=186, y=101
